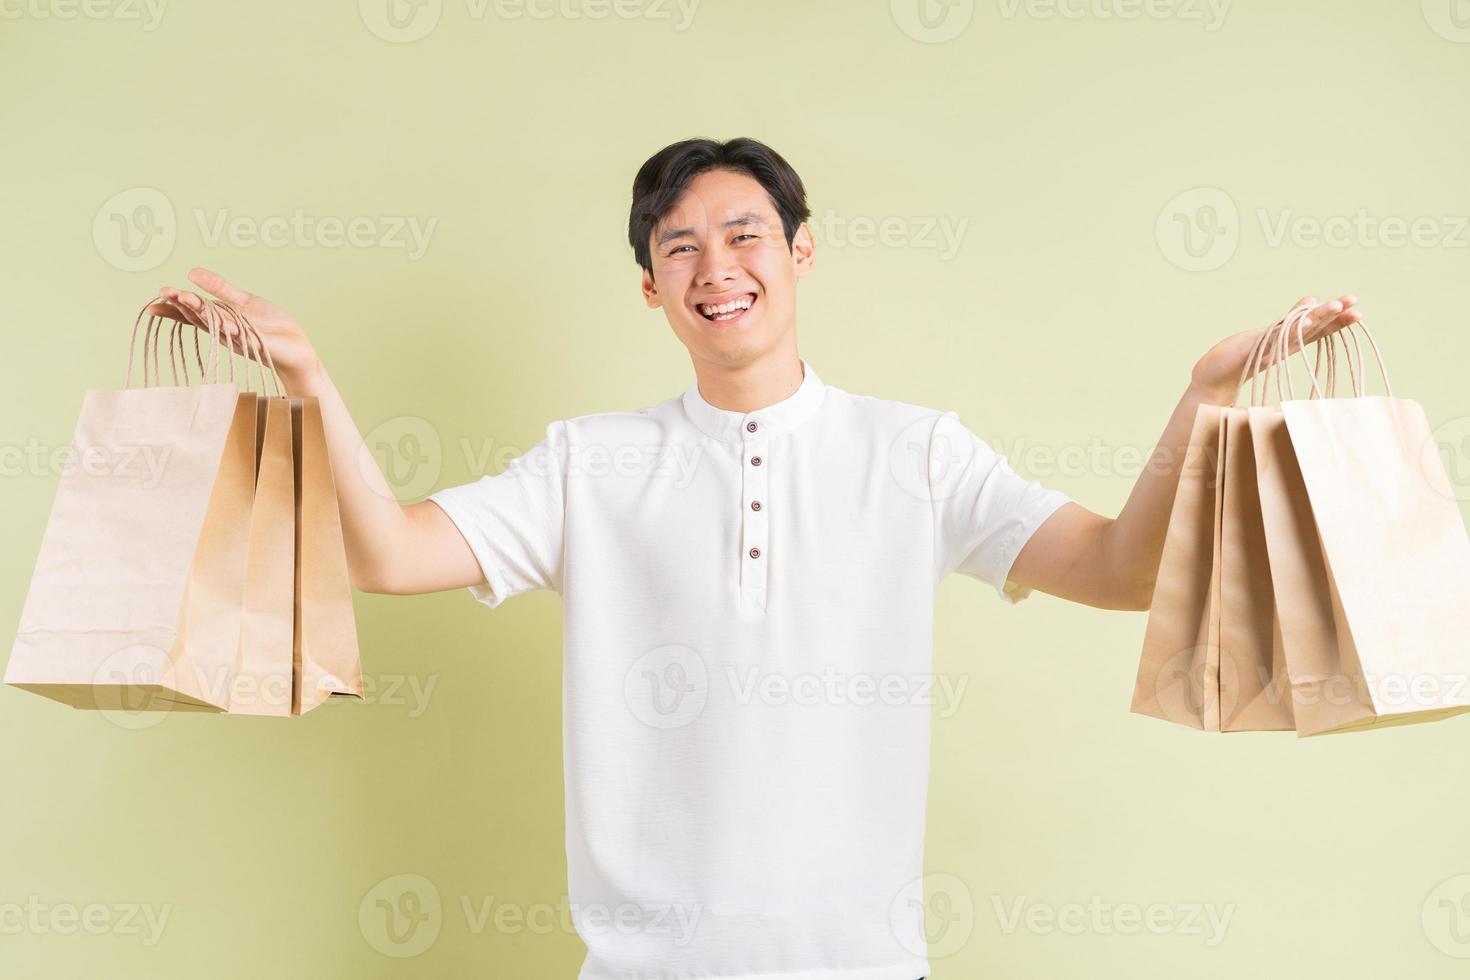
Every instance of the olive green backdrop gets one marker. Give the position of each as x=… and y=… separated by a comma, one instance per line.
x=1036, y=214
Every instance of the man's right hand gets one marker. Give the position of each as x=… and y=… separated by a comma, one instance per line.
x=391, y=548
x=294, y=358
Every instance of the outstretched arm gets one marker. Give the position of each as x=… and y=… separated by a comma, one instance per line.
x=391, y=548
x=1111, y=563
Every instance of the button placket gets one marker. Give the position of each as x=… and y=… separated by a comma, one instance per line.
x=755, y=536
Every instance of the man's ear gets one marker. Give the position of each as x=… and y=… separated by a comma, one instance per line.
x=650, y=291
x=803, y=250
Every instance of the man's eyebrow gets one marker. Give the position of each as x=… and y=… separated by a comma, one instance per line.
x=674, y=233
x=748, y=218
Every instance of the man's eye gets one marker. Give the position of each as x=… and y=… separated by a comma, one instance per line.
x=680, y=249
x=746, y=235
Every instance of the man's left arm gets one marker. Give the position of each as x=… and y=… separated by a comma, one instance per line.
x=1079, y=555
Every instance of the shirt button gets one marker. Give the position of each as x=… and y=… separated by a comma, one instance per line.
x=755, y=461
x=755, y=505
x=755, y=552
x=751, y=427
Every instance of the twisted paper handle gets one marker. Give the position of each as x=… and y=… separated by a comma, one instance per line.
x=214, y=313
x=1274, y=340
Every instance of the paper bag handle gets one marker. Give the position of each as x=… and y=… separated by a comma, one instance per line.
x=248, y=344
x=214, y=311
x=1359, y=382
x=1258, y=369
x=150, y=335
x=262, y=353
x=176, y=344
x=1275, y=337
x=1281, y=362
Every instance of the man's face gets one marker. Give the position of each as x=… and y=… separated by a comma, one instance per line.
x=722, y=245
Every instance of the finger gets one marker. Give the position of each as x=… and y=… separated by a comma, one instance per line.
x=173, y=307
x=1323, y=312
x=214, y=283
x=1296, y=328
x=185, y=298
x=1345, y=317
x=1344, y=320
x=193, y=309
x=1343, y=304
x=170, y=311
x=1314, y=325
x=1308, y=301
x=1282, y=341
x=172, y=292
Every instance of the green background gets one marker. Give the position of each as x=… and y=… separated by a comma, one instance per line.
x=1074, y=151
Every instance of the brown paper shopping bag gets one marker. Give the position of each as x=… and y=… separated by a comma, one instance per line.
x=1212, y=658
x=1395, y=556
x=1178, y=672
x=298, y=646
x=135, y=598
x=265, y=662
x=1255, y=692
x=1324, y=676
x=327, y=659
x=1326, y=679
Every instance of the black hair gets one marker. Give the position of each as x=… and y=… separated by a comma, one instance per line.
x=665, y=176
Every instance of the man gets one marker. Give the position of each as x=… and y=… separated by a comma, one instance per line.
x=747, y=573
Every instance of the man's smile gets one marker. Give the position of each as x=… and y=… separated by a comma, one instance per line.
x=726, y=309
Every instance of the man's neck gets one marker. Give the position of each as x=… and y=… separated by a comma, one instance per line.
x=751, y=386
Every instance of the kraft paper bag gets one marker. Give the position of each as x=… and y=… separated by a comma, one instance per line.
x=1325, y=678
x=1178, y=672
x=1395, y=553
x=1213, y=658
x=265, y=663
x=1331, y=689
x=326, y=652
x=299, y=644
x=135, y=598
x=1255, y=692
x=1321, y=675
x=264, y=660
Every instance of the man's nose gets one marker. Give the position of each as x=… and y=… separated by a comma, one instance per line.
x=717, y=265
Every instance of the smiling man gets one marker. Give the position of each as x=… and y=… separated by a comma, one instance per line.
x=747, y=638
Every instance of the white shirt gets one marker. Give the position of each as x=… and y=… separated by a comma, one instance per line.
x=748, y=618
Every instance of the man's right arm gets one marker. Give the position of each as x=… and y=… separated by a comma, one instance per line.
x=392, y=549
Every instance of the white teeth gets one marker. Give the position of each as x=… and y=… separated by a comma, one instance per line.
x=743, y=303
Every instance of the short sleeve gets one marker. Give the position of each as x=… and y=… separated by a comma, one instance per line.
x=985, y=511
x=514, y=521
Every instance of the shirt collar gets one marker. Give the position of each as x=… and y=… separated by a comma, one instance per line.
x=783, y=416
